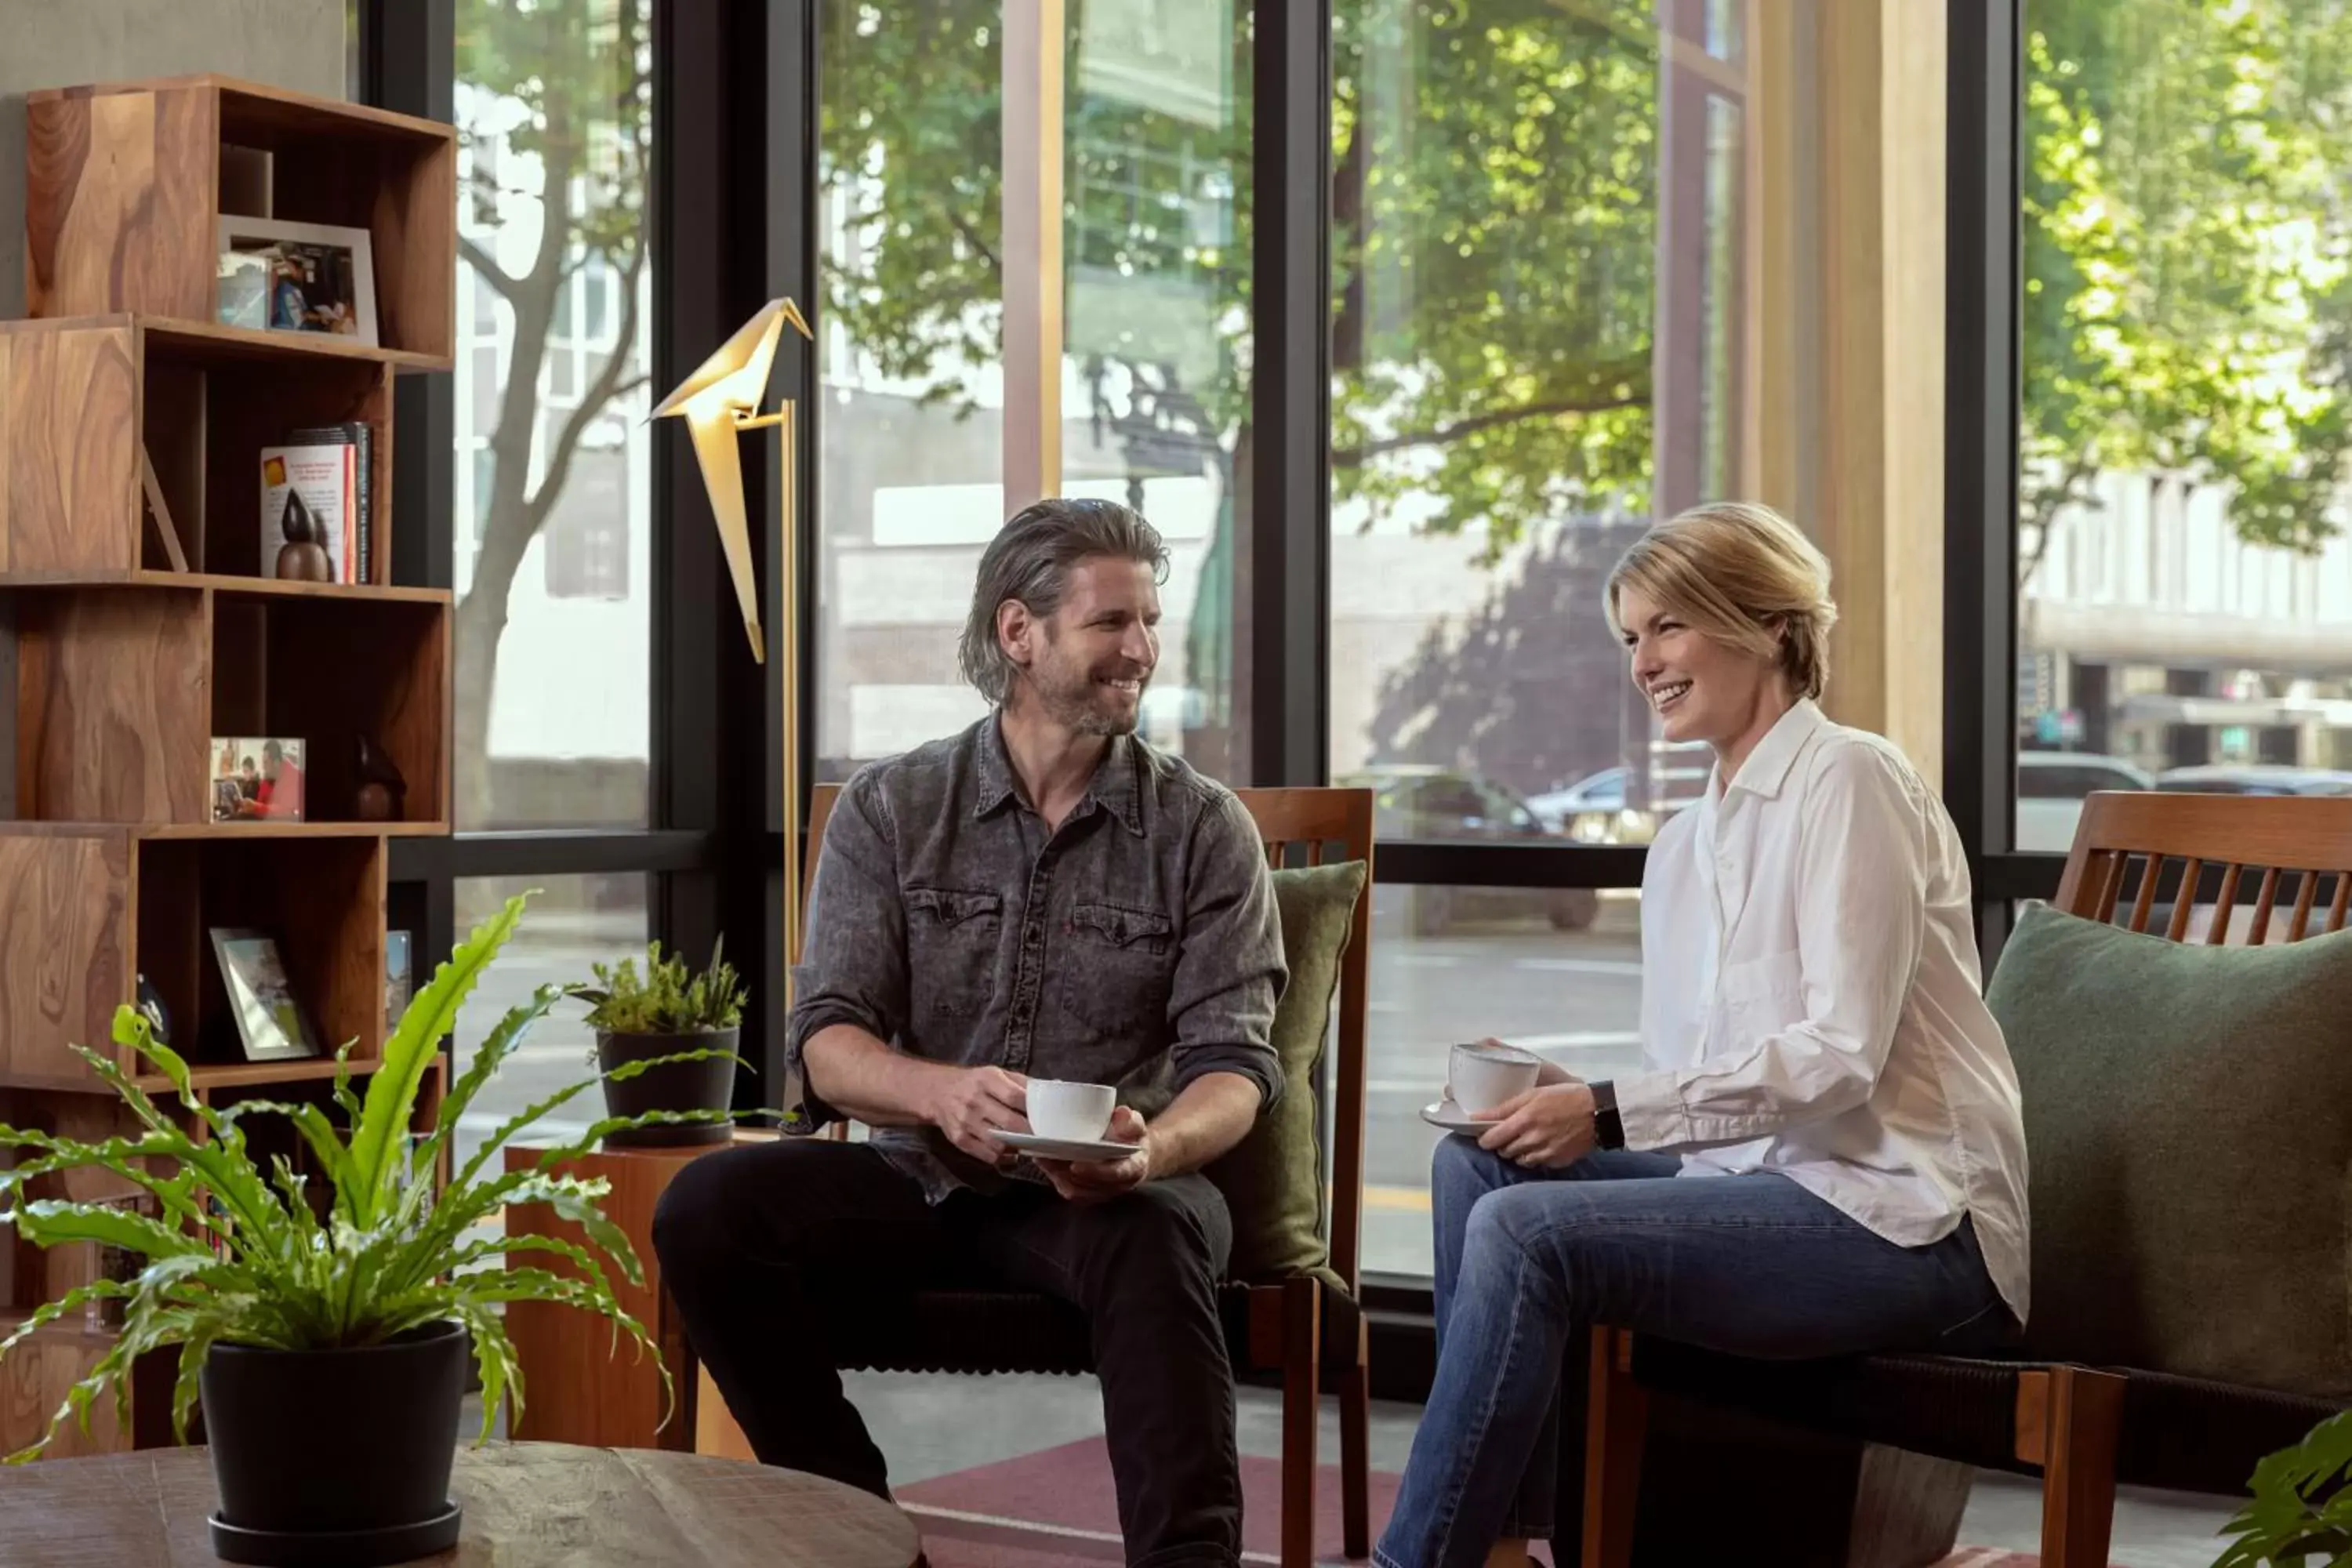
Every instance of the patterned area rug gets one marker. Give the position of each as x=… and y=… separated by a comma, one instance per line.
x=1057, y=1508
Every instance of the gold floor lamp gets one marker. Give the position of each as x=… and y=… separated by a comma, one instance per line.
x=719, y=402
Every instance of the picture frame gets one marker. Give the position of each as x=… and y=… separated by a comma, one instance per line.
x=259, y=778
x=399, y=977
x=321, y=277
x=271, y=1023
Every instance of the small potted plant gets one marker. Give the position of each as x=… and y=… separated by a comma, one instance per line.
x=329, y=1349
x=663, y=1016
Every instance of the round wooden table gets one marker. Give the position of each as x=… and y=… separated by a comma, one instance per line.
x=528, y=1505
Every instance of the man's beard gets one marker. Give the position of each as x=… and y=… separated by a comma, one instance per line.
x=1080, y=704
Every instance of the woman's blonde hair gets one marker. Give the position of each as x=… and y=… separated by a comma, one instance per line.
x=1741, y=575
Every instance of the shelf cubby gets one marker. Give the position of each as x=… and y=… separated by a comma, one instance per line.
x=124, y=194
x=81, y=399
x=86, y=911
x=123, y=683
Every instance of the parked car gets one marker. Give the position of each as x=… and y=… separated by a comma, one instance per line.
x=2051, y=786
x=2254, y=778
x=1593, y=809
x=1411, y=801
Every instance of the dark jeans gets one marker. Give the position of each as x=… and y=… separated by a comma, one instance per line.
x=1752, y=1266
x=751, y=1239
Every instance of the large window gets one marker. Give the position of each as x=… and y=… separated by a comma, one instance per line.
x=1152, y=384
x=1501, y=194
x=553, y=482
x=2184, y=586
x=570, y=924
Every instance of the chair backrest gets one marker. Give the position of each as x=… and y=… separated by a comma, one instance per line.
x=1317, y=826
x=2305, y=839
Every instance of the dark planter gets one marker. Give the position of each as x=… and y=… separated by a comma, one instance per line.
x=705, y=1085
x=335, y=1457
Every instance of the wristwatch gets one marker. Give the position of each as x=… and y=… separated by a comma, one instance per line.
x=1608, y=1128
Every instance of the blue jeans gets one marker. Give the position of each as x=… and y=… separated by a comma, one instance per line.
x=1527, y=1260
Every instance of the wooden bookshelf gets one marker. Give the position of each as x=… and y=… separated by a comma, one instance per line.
x=122, y=401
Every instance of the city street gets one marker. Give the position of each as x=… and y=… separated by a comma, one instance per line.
x=1572, y=996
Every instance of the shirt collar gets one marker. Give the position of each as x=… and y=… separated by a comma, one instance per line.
x=1113, y=788
x=1767, y=767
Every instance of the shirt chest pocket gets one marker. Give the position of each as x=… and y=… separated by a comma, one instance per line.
x=1117, y=968
x=952, y=940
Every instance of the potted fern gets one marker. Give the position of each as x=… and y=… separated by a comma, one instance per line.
x=663, y=1016
x=329, y=1351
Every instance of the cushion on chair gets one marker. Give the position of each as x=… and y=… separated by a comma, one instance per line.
x=2189, y=1147
x=1272, y=1181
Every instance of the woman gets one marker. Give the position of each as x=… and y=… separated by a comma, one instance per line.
x=1822, y=1153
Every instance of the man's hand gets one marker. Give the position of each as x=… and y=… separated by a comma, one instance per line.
x=971, y=1102
x=1548, y=1127
x=1092, y=1181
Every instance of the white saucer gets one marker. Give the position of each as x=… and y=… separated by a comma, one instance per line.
x=1453, y=1118
x=1087, y=1149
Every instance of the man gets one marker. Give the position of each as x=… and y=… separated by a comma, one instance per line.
x=1045, y=895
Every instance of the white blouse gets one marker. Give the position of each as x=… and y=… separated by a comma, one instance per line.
x=1811, y=1000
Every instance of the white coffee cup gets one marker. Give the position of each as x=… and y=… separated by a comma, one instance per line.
x=1484, y=1077
x=1079, y=1112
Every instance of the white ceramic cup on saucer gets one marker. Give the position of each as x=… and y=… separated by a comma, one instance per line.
x=1075, y=1112
x=1482, y=1076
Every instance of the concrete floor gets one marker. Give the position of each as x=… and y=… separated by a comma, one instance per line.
x=935, y=1425
x=931, y=1426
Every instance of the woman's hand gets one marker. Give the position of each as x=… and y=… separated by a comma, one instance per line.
x=1548, y=1127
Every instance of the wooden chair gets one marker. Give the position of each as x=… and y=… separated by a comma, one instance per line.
x=2083, y=1430
x=1311, y=1334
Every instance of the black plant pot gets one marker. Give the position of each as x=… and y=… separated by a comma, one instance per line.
x=335, y=1457
x=705, y=1085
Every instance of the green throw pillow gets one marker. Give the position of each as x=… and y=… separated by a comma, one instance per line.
x=2189, y=1138
x=1272, y=1180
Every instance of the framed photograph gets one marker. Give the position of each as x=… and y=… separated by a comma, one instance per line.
x=257, y=778
x=399, y=977
x=321, y=277
x=270, y=1017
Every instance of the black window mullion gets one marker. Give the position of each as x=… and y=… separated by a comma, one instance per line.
x=1287, y=562
x=1981, y=400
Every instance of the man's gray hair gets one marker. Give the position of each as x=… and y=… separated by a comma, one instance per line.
x=1030, y=559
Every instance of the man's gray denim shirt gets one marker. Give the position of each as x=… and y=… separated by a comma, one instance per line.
x=1139, y=945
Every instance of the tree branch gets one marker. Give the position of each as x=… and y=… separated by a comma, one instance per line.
x=501, y=280
x=971, y=238
x=609, y=384
x=1355, y=456
x=2042, y=516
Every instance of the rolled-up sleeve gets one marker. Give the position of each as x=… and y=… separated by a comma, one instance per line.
x=853, y=967
x=1229, y=969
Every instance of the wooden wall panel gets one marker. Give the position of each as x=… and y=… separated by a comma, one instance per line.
x=72, y=469
x=113, y=706
x=120, y=202
x=65, y=949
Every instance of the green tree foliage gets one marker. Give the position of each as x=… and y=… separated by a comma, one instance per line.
x=1494, y=243
x=2186, y=238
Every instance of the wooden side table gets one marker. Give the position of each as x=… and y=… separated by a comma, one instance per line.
x=528, y=1505
x=577, y=1386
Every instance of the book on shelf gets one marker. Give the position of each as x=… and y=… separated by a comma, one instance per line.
x=319, y=489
